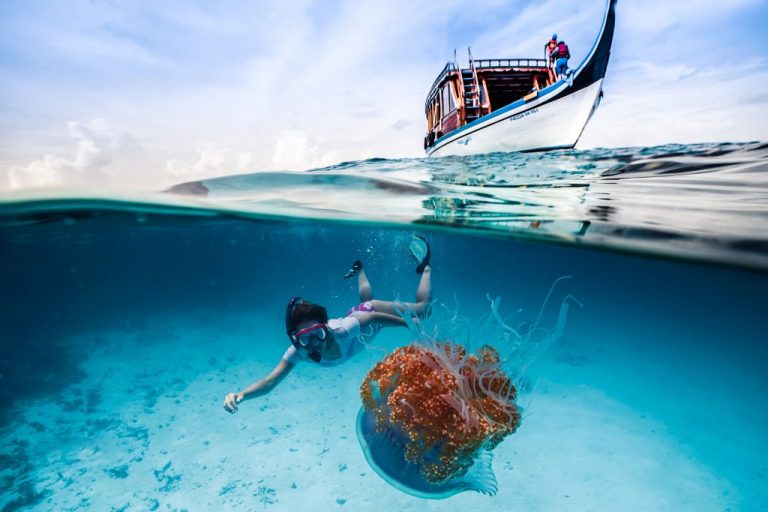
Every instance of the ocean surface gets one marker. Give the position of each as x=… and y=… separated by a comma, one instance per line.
x=125, y=318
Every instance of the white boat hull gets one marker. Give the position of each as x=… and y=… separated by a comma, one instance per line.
x=538, y=125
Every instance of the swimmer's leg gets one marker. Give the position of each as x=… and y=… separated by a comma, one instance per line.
x=364, y=287
x=424, y=290
x=419, y=308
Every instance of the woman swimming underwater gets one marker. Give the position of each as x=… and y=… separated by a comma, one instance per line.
x=330, y=342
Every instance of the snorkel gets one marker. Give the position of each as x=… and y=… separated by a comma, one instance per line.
x=310, y=339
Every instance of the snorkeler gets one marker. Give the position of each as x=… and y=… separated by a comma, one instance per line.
x=330, y=342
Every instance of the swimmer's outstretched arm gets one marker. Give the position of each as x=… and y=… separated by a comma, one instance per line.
x=260, y=387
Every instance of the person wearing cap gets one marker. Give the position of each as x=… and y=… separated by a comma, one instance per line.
x=549, y=48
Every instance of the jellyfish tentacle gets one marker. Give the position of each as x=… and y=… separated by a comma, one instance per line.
x=549, y=294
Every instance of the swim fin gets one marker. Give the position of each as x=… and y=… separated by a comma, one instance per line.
x=419, y=249
x=357, y=266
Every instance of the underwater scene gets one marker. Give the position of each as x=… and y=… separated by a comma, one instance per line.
x=594, y=337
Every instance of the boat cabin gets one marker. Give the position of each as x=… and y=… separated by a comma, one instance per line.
x=460, y=96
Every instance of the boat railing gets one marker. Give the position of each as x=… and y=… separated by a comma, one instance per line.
x=511, y=63
x=448, y=69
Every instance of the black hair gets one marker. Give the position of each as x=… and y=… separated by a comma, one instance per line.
x=299, y=311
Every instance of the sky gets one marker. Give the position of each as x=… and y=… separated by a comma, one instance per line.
x=142, y=94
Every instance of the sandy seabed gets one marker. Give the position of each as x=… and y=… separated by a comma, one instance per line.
x=145, y=430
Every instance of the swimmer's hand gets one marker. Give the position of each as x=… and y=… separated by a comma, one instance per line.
x=231, y=401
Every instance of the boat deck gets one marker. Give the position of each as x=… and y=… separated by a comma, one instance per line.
x=459, y=96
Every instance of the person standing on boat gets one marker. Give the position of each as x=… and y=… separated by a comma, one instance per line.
x=330, y=342
x=561, y=54
x=549, y=48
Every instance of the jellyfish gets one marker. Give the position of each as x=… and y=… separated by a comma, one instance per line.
x=433, y=411
x=431, y=417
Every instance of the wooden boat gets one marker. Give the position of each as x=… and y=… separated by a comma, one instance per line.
x=515, y=104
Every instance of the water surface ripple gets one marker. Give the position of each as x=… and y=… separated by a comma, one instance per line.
x=707, y=201
x=704, y=201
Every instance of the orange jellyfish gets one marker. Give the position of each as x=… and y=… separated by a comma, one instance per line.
x=433, y=411
x=432, y=415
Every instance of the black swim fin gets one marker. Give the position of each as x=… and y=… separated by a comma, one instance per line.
x=357, y=266
x=419, y=249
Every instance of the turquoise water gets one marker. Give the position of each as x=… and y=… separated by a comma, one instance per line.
x=127, y=318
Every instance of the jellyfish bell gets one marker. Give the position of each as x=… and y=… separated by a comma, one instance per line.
x=432, y=415
x=384, y=453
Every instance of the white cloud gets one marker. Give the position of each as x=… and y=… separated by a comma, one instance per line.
x=97, y=143
x=213, y=160
x=295, y=151
x=49, y=171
